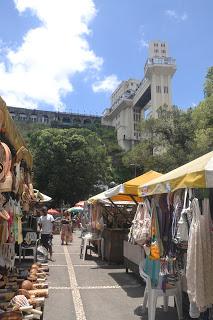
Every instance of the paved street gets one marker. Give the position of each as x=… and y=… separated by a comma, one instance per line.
x=92, y=289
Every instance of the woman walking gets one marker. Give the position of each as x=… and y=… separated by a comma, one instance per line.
x=66, y=228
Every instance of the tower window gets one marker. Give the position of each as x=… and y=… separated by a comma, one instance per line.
x=166, y=89
x=158, y=89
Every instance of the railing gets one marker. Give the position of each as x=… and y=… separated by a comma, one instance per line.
x=159, y=61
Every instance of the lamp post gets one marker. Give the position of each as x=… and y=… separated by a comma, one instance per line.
x=135, y=168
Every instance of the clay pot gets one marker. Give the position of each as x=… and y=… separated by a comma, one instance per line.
x=11, y=315
x=33, y=271
x=32, y=278
x=37, y=265
x=27, y=285
x=34, y=268
x=25, y=293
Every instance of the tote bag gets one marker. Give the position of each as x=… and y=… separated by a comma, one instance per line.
x=141, y=224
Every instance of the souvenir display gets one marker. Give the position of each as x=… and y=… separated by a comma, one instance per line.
x=18, y=295
x=179, y=244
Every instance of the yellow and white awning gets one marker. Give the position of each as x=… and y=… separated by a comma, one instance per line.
x=127, y=191
x=195, y=174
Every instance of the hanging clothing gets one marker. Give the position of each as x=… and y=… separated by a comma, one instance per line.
x=199, y=269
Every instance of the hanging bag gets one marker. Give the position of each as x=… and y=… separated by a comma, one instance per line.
x=141, y=224
x=156, y=247
x=182, y=235
x=5, y=161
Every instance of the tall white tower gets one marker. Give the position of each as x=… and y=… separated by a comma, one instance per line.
x=135, y=99
x=159, y=70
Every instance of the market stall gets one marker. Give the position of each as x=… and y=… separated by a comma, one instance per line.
x=118, y=209
x=16, y=196
x=178, y=237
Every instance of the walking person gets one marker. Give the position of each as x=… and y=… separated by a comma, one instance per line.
x=45, y=224
x=66, y=228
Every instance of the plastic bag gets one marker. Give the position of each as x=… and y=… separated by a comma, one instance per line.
x=42, y=254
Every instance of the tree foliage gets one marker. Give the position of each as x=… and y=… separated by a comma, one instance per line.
x=208, y=86
x=203, y=123
x=166, y=141
x=176, y=136
x=69, y=163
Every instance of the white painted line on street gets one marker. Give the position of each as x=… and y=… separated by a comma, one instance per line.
x=78, y=304
x=68, y=245
x=128, y=286
x=55, y=253
x=97, y=287
x=91, y=265
x=60, y=288
x=74, y=246
x=83, y=265
x=57, y=265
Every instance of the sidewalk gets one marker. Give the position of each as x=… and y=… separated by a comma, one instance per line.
x=92, y=289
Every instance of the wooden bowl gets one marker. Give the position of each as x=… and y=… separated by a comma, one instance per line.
x=11, y=315
x=27, y=285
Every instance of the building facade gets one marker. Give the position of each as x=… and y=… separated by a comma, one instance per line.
x=62, y=119
x=134, y=100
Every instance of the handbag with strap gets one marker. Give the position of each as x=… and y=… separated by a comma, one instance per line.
x=141, y=224
x=182, y=235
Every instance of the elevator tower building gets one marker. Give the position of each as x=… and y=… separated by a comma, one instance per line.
x=137, y=99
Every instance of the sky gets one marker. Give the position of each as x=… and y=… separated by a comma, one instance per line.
x=69, y=55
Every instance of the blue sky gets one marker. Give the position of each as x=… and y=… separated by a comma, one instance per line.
x=70, y=55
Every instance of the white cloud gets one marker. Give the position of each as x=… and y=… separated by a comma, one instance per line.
x=142, y=42
x=184, y=16
x=108, y=84
x=174, y=15
x=41, y=68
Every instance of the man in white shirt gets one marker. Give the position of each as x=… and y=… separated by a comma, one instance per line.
x=45, y=223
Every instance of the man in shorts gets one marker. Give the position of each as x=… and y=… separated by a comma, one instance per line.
x=45, y=223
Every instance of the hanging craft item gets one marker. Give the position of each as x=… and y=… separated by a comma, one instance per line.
x=4, y=214
x=6, y=185
x=168, y=272
x=1, y=120
x=199, y=268
x=156, y=247
x=25, y=198
x=140, y=229
x=7, y=251
x=5, y=161
x=183, y=225
x=17, y=176
x=4, y=233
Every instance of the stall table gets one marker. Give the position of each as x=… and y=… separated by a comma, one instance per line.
x=133, y=255
x=113, y=244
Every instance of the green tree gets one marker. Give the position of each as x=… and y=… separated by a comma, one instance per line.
x=208, y=86
x=69, y=164
x=203, y=121
x=166, y=141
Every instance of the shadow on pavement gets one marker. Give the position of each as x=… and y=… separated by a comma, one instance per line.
x=160, y=314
